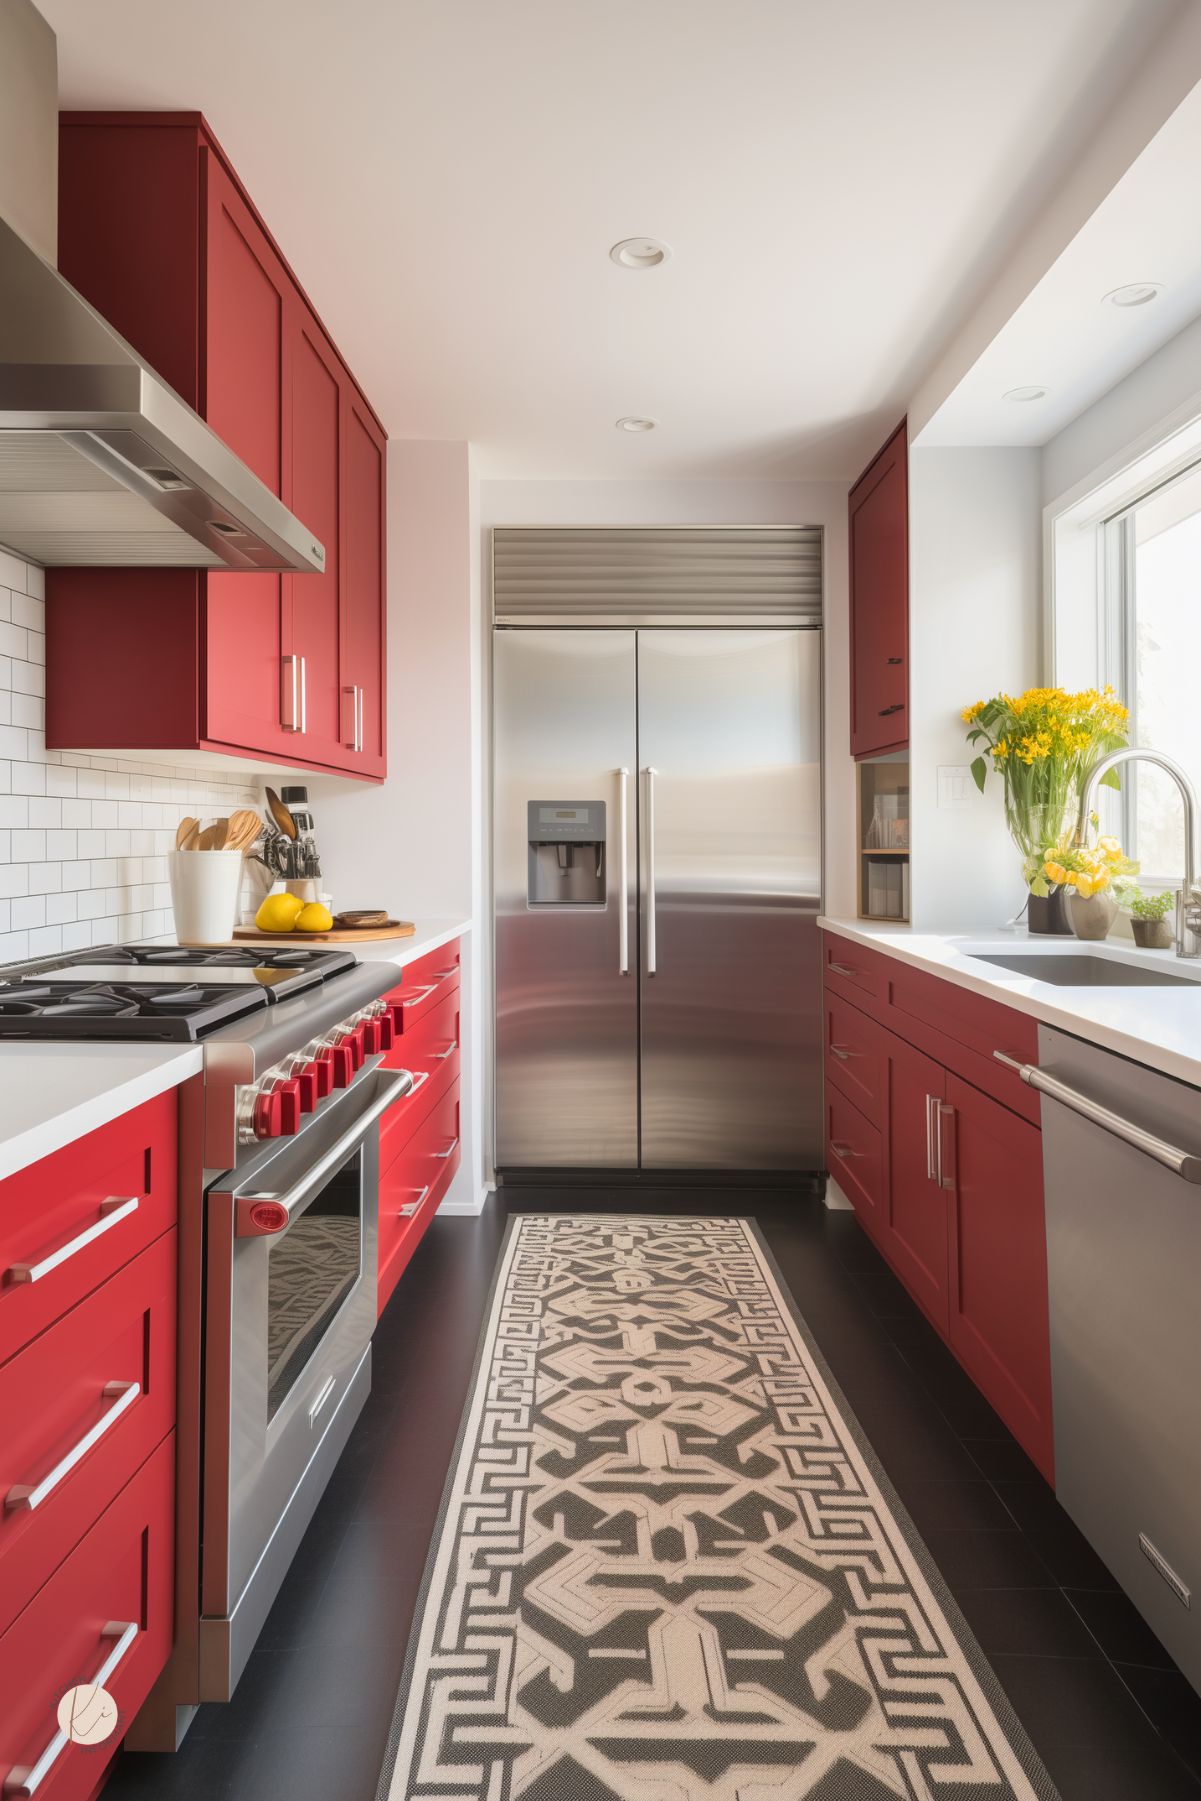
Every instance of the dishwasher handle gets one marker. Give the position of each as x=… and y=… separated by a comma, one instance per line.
x=1182, y=1163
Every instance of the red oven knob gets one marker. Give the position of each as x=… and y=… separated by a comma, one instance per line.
x=310, y=1091
x=344, y=1065
x=356, y=1040
x=377, y=1035
x=323, y=1063
x=289, y=1107
x=268, y=1114
x=387, y=1031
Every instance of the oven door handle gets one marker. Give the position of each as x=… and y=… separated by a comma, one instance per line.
x=262, y=1214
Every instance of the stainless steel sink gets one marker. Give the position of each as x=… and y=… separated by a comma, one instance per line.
x=1087, y=972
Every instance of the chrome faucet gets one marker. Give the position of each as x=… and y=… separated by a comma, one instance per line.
x=1188, y=897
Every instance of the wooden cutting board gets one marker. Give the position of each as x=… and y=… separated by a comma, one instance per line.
x=395, y=928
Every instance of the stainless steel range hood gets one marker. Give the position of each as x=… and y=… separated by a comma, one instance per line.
x=101, y=463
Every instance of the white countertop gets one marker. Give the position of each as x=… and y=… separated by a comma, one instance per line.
x=51, y=1094
x=1159, y=1027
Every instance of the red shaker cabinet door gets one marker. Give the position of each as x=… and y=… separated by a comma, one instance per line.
x=245, y=294
x=363, y=675
x=999, y=1323
x=916, y=1240
x=879, y=570
x=313, y=491
x=107, y=1612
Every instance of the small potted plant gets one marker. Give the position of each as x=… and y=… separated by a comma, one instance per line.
x=1149, y=920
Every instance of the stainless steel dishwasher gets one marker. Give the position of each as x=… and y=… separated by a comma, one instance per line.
x=1122, y=1161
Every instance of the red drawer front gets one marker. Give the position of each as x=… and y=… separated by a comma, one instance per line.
x=430, y=1052
x=106, y=1373
x=120, y=1575
x=850, y=970
x=72, y=1219
x=855, y=1156
x=962, y=1030
x=426, y=984
x=857, y=1057
x=413, y=1185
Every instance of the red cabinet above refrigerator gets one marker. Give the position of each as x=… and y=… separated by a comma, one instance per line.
x=156, y=230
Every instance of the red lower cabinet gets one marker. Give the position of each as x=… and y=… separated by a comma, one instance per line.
x=946, y=1178
x=999, y=1326
x=106, y=1613
x=412, y=1187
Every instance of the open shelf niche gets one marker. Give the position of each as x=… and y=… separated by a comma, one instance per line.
x=882, y=837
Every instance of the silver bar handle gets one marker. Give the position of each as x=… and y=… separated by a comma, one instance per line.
x=359, y=713
x=322, y=1396
x=943, y=1110
x=393, y=1087
x=933, y=1173
x=441, y=1056
x=842, y=1150
x=29, y=1497
x=450, y=1150
x=112, y=1212
x=304, y=697
x=289, y=694
x=418, y=994
x=349, y=733
x=843, y=969
x=844, y=1056
x=623, y=879
x=652, y=943
x=1185, y=1164
x=411, y=1207
x=26, y=1779
x=419, y=1081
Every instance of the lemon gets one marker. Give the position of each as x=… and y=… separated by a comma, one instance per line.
x=315, y=918
x=279, y=913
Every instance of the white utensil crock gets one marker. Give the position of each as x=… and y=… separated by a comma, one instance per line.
x=204, y=894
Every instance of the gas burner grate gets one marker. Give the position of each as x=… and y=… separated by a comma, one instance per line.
x=47, y=1009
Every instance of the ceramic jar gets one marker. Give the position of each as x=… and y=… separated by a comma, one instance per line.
x=1092, y=918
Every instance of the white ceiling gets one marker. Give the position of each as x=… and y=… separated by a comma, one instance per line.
x=837, y=179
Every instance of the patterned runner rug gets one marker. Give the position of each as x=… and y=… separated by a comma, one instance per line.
x=668, y=1565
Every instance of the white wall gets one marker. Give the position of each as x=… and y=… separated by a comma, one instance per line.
x=975, y=552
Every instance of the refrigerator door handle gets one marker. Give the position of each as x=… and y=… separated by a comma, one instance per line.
x=623, y=864
x=651, y=944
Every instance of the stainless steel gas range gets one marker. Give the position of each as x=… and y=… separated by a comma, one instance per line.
x=277, y=1252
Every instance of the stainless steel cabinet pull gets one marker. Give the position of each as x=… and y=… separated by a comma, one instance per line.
x=112, y=1212
x=441, y=1056
x=898, y=706
x=349, y=704
x=289, y=693
x=1185, y=1164
x=126, y=1394
x=358, y=718
x=440, y=975
x=450, y=1150
x=932, y=1171
x=943, y=1111
x=323, y=1394
x=304, y=698
x=410, y=1207
x=26, y=1779
x=419, y=1080
x=844, y=969
x=842, y=1150
x=623, y=875
x=418, y=994
x=652, y=945
x=843, y=1056
x=893, y=661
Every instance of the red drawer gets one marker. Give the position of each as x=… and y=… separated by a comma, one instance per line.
x=119, y=1576
x=430, y=1052
x=962, y=1030
x=413, y=1185
x=855, y=1156
x=81, y=1408
x=857, y=1057
x=851, y=971
x=426, y=984
x=70, y=1220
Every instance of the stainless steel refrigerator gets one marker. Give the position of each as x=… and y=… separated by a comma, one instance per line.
x=657, y=880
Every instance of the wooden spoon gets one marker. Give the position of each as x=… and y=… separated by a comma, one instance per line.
x=192, y=841
x=244, y=827
x=213, y=836
x=280, y=814
x=186, y=827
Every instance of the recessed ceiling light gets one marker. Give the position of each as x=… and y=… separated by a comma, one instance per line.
x=1021, y=394
x=629, y=423
x=1135, y=293
x=639, y=253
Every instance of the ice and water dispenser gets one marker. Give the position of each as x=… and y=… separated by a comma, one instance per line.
x=566, y=853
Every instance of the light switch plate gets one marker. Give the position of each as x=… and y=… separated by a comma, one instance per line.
x=955, y=785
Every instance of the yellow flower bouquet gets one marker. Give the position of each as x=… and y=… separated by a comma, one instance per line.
x=1086, y=870
x=1042, y=743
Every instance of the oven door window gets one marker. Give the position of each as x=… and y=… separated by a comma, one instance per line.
x=312, y=1268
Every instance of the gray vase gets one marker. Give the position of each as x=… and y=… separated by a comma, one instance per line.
x=1094, y=917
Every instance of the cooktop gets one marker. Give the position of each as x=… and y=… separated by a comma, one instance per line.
x=141, y=991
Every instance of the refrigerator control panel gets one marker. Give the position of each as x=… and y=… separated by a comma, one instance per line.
x=566, y=853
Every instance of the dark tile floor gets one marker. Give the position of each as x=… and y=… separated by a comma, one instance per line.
x=1111, y=1717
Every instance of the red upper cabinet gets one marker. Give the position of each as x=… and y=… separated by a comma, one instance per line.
x=153, y=221
x=879, y=572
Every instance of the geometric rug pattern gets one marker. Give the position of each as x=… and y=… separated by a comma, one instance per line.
x=669, y=1566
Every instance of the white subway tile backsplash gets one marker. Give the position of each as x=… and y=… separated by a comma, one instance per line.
x=83, y=840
